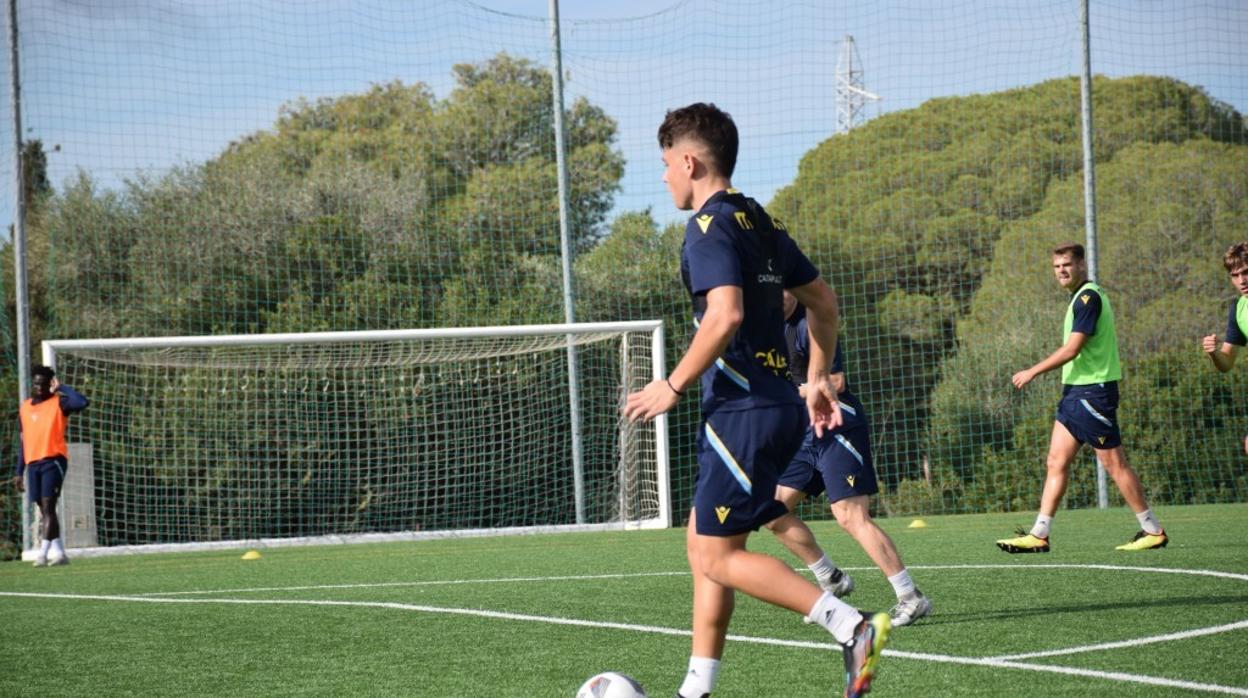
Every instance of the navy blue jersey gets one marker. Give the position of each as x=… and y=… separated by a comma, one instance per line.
x=1236, y=333
x=1086, y=314
x=731, y=241
x=799, y=353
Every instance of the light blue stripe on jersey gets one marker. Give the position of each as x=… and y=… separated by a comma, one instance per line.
x=849, y=447
x=1100, y=417
x=732, y=373
x=847, y=408
x=726, y=456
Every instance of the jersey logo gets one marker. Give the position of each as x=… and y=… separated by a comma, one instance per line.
x=1101, y=439
x=850, y=480
x=704, y=222
x=743, y=220
x=722, y=513
x=1085, y=297
x=778, y=225
x=774, y=360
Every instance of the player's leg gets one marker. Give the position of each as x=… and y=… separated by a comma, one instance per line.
x=853, y=514
x=1151, y=535
x=799, y=480
x=1063, y=447
x=713, y=604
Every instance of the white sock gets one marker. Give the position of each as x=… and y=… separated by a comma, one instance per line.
x=823, y=568
x=700, y=679
x=58, y=548
x=1041, y=528
x=838, y=617
x=903, y=585
x=44, y=546
x=1148, y=522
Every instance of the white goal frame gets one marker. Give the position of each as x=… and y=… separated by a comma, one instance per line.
x=51, y=348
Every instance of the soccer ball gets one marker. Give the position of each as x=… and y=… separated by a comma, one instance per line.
x=610, y=685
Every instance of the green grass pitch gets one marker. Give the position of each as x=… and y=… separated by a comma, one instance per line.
x=534, y=616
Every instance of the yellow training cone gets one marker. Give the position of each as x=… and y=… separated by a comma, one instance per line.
x=918, y=523
x=251, y=555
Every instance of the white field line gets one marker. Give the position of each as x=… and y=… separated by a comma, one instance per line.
x=946, y=659
x=1184, y=635
x=426, y=583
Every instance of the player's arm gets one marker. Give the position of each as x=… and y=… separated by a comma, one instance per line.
x=822, y=320
x=1223, y=357
x=71, y=400
x=1057, y=359
x=1222, y=354
x=18, y=480
x=725, y=309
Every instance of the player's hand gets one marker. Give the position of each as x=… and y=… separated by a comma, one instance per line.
x=1246, y=445
x=651, y=401
x=19, y=482
x=53, y=385
x=1209, y=343
x=822, y=406
x=1022, y=378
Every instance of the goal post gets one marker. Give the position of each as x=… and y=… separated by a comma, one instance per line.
x=306, y=438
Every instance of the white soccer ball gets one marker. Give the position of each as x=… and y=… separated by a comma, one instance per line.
x=611, y=685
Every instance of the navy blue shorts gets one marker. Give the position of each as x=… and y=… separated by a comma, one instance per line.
x=839, y=464
x=44, y=479
x=1090, y=413
x=740, y=457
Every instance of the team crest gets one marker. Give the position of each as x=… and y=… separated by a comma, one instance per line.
x=850, y=480
x=1101, y=439
x=1085, y=297
x=722, y=513
x=704, y=222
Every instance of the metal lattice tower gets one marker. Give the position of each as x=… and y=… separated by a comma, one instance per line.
x=851, y=97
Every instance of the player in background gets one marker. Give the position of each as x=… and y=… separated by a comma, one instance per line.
x=1088, y=409
x=1236, y=262
x=735, y=263
x=839, y=464
x=43, y=454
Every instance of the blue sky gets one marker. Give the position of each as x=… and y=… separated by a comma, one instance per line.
x=134, y=87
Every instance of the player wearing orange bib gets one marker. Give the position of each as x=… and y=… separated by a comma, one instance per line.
x=43, y=454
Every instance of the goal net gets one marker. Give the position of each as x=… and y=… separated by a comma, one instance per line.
x=361, y=436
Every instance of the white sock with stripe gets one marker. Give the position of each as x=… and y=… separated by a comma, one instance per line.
x=700, y=679
x=838, y=617
x=1040, y=529
x=1148, y=522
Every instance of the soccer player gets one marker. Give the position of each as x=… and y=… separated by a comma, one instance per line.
x=735, y=262
x=839, y=464
x=1236, y=262
x=43, y=454
x=1088, y=409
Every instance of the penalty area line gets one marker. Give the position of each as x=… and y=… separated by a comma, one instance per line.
x=675, y=632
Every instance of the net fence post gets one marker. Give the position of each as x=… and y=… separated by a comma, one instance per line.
x=20, y=299
x=565, y=255
x=1089, y=192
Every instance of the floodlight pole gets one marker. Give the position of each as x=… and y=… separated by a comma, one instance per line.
x=565, y=254
x=21, y=301
x=1089, y=195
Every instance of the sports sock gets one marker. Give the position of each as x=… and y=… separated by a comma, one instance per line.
x=58, y=548
x=1148, y=522
x=1040, y=529
x=700, y=679
x=903, y=585
x=824, y=569
x=838, y=617
x=44, y=546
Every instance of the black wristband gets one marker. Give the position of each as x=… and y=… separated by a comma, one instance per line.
x=674, y=390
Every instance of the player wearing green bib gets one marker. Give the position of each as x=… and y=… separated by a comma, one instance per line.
x=1088, y=411
x=1236, y=263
